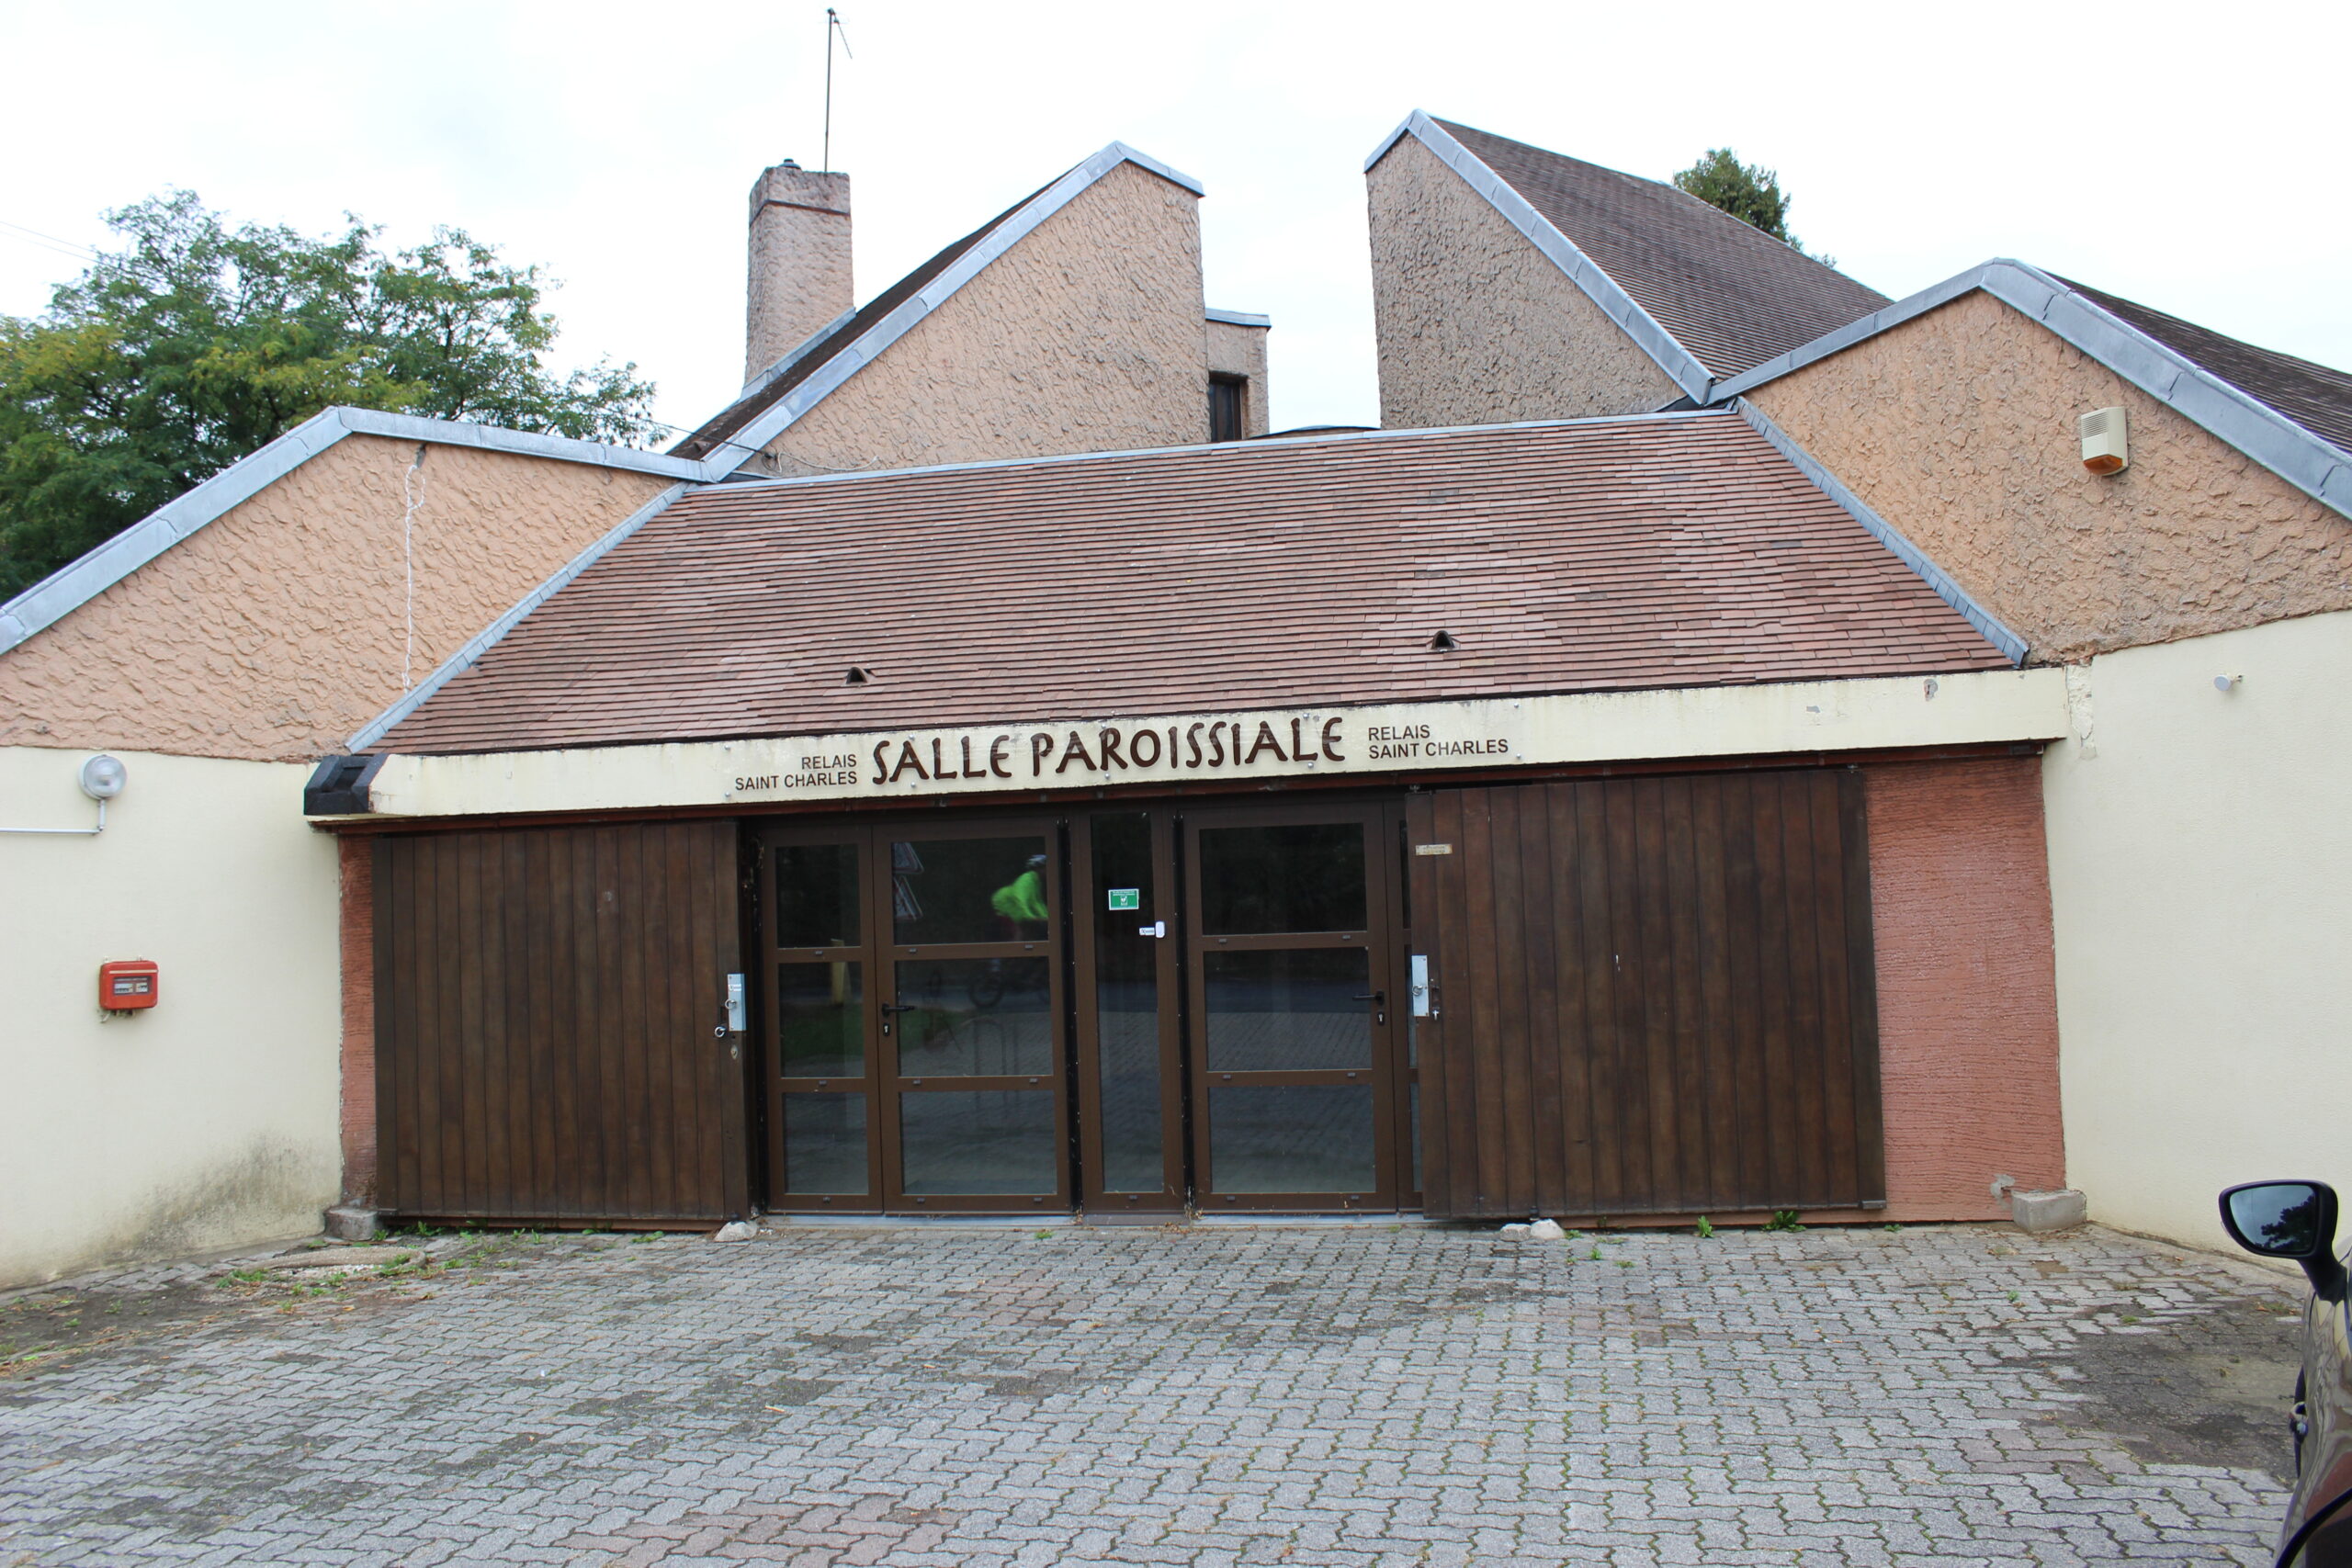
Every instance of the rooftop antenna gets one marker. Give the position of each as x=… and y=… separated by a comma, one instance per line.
x=832, y=30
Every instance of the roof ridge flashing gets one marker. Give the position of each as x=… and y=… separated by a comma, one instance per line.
x=745, y=443
x=2300, y=457
x=82, y=580
x=1667, y=351
x=1256, y=444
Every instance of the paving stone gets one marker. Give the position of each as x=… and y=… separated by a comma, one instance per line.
x=1338, y=1396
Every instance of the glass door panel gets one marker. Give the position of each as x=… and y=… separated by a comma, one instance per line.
x=1130, y=1072
x=969, y=1031
x=1293, y=1087
x=820, y=1029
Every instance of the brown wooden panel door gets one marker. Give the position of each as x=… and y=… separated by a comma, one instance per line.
x=550, y=1011
x=1650, y=996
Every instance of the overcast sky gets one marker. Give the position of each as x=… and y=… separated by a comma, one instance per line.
x=2184, y=157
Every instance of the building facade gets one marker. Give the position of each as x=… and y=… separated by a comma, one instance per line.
x=1598, y=836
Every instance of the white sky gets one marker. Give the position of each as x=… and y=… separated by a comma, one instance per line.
x=2186, y=158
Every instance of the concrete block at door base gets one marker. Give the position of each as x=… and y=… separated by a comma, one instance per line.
x=2059, y=1209
x=735, y=1229
x=354, y=1222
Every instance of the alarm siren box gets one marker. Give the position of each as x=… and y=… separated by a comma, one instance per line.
x=126, y=984
x=2106, y=446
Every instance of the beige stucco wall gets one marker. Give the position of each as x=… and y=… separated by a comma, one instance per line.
x=1476, y=325
x=278, y=630
x=1959, y=428
x=1237, y=350
x=2201, y=869
x=1085, y=337
x=211, y=1120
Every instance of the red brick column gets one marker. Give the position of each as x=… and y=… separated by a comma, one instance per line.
x=358, y=933
x=1967, y=984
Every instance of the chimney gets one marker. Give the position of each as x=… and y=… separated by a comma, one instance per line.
x=799, y=275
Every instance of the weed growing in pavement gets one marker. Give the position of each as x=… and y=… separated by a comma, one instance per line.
x=1044, y=1235
x=1783, y=1220
x=1706, y=1227
x=2013, y=1296
x=1893, y=1226
x=1594, y=1255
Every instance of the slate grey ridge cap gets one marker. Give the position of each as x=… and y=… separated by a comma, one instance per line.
x=2308, y=461
x=2013, y=647
x=1682, y=367
x=488, y=637
x=735, y=450
x=1238, y=318
x=77, y=583
x=1232, y=449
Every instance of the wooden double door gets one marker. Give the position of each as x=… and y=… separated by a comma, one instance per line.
x=1125, y=1010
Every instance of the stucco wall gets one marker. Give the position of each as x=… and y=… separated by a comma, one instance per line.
x=278, y=630
x=1959, y=428
x=1235, y=350
x=1968, y=1021
x=1085, y=337
x=2200, y=857
x=1476, y=325
x=208, y=1120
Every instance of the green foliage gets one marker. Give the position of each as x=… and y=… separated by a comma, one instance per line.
x=1706, y=1227
x=1783, y=1220
x=198, y=343
x=1749, y=192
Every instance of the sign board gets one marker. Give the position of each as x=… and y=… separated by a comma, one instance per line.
x=1126, y=897
x=1439, y=738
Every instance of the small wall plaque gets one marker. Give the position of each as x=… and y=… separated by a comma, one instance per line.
x=1126, y=897
x=1433, y=848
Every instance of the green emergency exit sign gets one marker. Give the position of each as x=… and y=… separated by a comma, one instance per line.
x=1126, y=897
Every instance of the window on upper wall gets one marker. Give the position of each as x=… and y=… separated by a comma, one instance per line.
x=1229, y=408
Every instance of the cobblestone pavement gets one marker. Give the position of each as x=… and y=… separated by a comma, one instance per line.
x=1300, y=1394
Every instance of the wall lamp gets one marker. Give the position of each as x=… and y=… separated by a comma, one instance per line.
x=102, y=779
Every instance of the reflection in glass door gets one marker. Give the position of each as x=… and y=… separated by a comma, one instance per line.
x=970, y=1005
x=819, y=965
x=1291, y=1071
x=1130, y=1077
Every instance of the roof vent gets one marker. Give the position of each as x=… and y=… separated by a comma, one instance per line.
x=858, y=676
x=1443, y=643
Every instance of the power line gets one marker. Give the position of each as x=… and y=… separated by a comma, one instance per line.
x=35, y=237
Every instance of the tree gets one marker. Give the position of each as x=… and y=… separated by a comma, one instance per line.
x=1749, y=192
x=197, y=343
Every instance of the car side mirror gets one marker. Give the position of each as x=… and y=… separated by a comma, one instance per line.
x=2294, y=1220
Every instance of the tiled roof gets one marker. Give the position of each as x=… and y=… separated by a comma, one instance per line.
x=764, y=396
x=1727, y=292
x=1670, y=550
x=2318, y=399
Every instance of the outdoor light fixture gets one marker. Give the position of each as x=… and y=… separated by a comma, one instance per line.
x=2226, y=683
x=102, y=779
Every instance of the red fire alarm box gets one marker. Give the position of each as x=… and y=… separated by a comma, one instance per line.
x=127, y=983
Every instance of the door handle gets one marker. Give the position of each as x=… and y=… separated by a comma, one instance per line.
x=887, y=1009
x=1381, y=997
